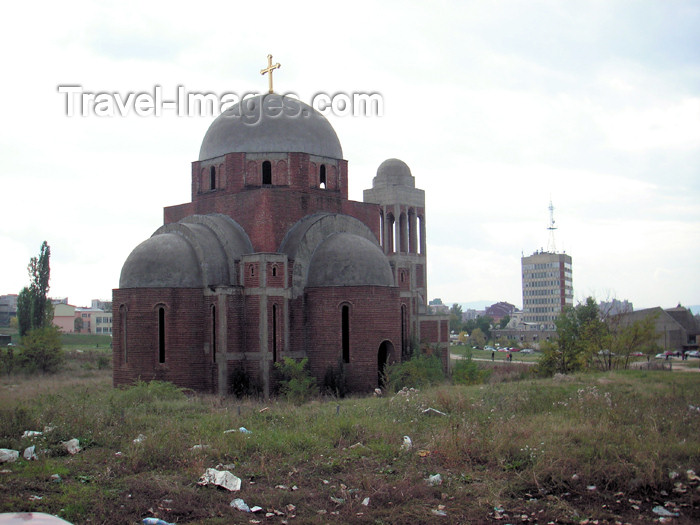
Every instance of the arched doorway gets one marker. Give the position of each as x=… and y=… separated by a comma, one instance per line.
x=384, y=355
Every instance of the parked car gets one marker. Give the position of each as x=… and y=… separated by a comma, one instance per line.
x=527, y=351
x=637, y=354
x=665, y=355
x=693, y=353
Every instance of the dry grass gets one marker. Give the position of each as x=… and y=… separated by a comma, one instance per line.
x=532, y=448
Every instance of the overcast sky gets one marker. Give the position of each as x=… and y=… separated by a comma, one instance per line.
x=495, y=106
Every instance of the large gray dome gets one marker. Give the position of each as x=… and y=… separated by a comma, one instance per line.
x=345, y=259
x=270, y=123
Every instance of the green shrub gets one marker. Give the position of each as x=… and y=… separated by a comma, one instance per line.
x=41, y=350
x=241, y=384
x=143, y=392
x=103, y=362
x=335, y=380
x=421, y=370
x=297, y=384
x=466, y=372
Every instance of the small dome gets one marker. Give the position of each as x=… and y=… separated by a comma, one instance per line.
x=394, y=172
x=270, y=123
x=200, y=250
x=164, y=261
x=345, y=259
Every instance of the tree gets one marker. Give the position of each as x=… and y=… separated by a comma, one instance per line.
x=504, y=322
x=455, y=318
x=24, y=311
x=34, y=309
x=78, y=324
x=639, y=336
x=469, y=326
x=39, y=273
x=484, y=323
x=41, y=341
x=580, y=335
x=477, y=338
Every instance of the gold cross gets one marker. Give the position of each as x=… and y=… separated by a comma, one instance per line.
x=270, y=67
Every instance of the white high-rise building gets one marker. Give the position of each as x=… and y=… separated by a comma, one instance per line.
x=547, y=288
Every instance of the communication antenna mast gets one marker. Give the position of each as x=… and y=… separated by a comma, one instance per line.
x=551, y=245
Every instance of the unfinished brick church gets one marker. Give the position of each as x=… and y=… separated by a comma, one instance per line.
x=270, y=259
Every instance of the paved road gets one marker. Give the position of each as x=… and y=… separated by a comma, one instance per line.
x=458, y=356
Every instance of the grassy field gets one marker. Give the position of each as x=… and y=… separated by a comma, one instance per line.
x=607, y=447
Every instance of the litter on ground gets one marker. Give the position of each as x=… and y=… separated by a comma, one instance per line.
x=72, y=446
x=8, y=455
x=220, y=478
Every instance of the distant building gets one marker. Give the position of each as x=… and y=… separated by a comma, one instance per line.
x=8, y=308
x=525, y=333
x=498, y=311
x=64, y=317
x=471, y=314
x=615, y=307
x=102, y=305
x=676, y=328
x=547, y=288
x=435, y=306
x=74, y=319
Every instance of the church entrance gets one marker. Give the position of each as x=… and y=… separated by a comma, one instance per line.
x=385, y=350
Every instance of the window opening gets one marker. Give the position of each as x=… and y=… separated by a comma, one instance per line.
x=322, y=178
x=212, y=178
x=267, y=172
x=404, y=339
x=213, y=332
x=161, y=335
x=122, y=331
x=346, y=333
x=274, y=333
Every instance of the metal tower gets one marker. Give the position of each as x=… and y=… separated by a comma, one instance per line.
x=551, y=245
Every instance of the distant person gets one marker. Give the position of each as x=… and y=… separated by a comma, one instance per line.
x=493, y=355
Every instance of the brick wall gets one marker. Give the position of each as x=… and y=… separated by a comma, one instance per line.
x=374, y=317
x=185, y=362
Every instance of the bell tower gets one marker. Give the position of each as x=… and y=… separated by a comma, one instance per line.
x=402, y=237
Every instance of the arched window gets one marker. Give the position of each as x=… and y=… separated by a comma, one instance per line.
x=213, y=332
x=345, y=322
x=122, y=331
x=404, y=333
x=212, y=178
x=381, y=228
x=322, y=177
x=274, y=333
x=274, y=271
x=267, y=172
x=161, y=335
x=421, y=231
x=390, y=233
